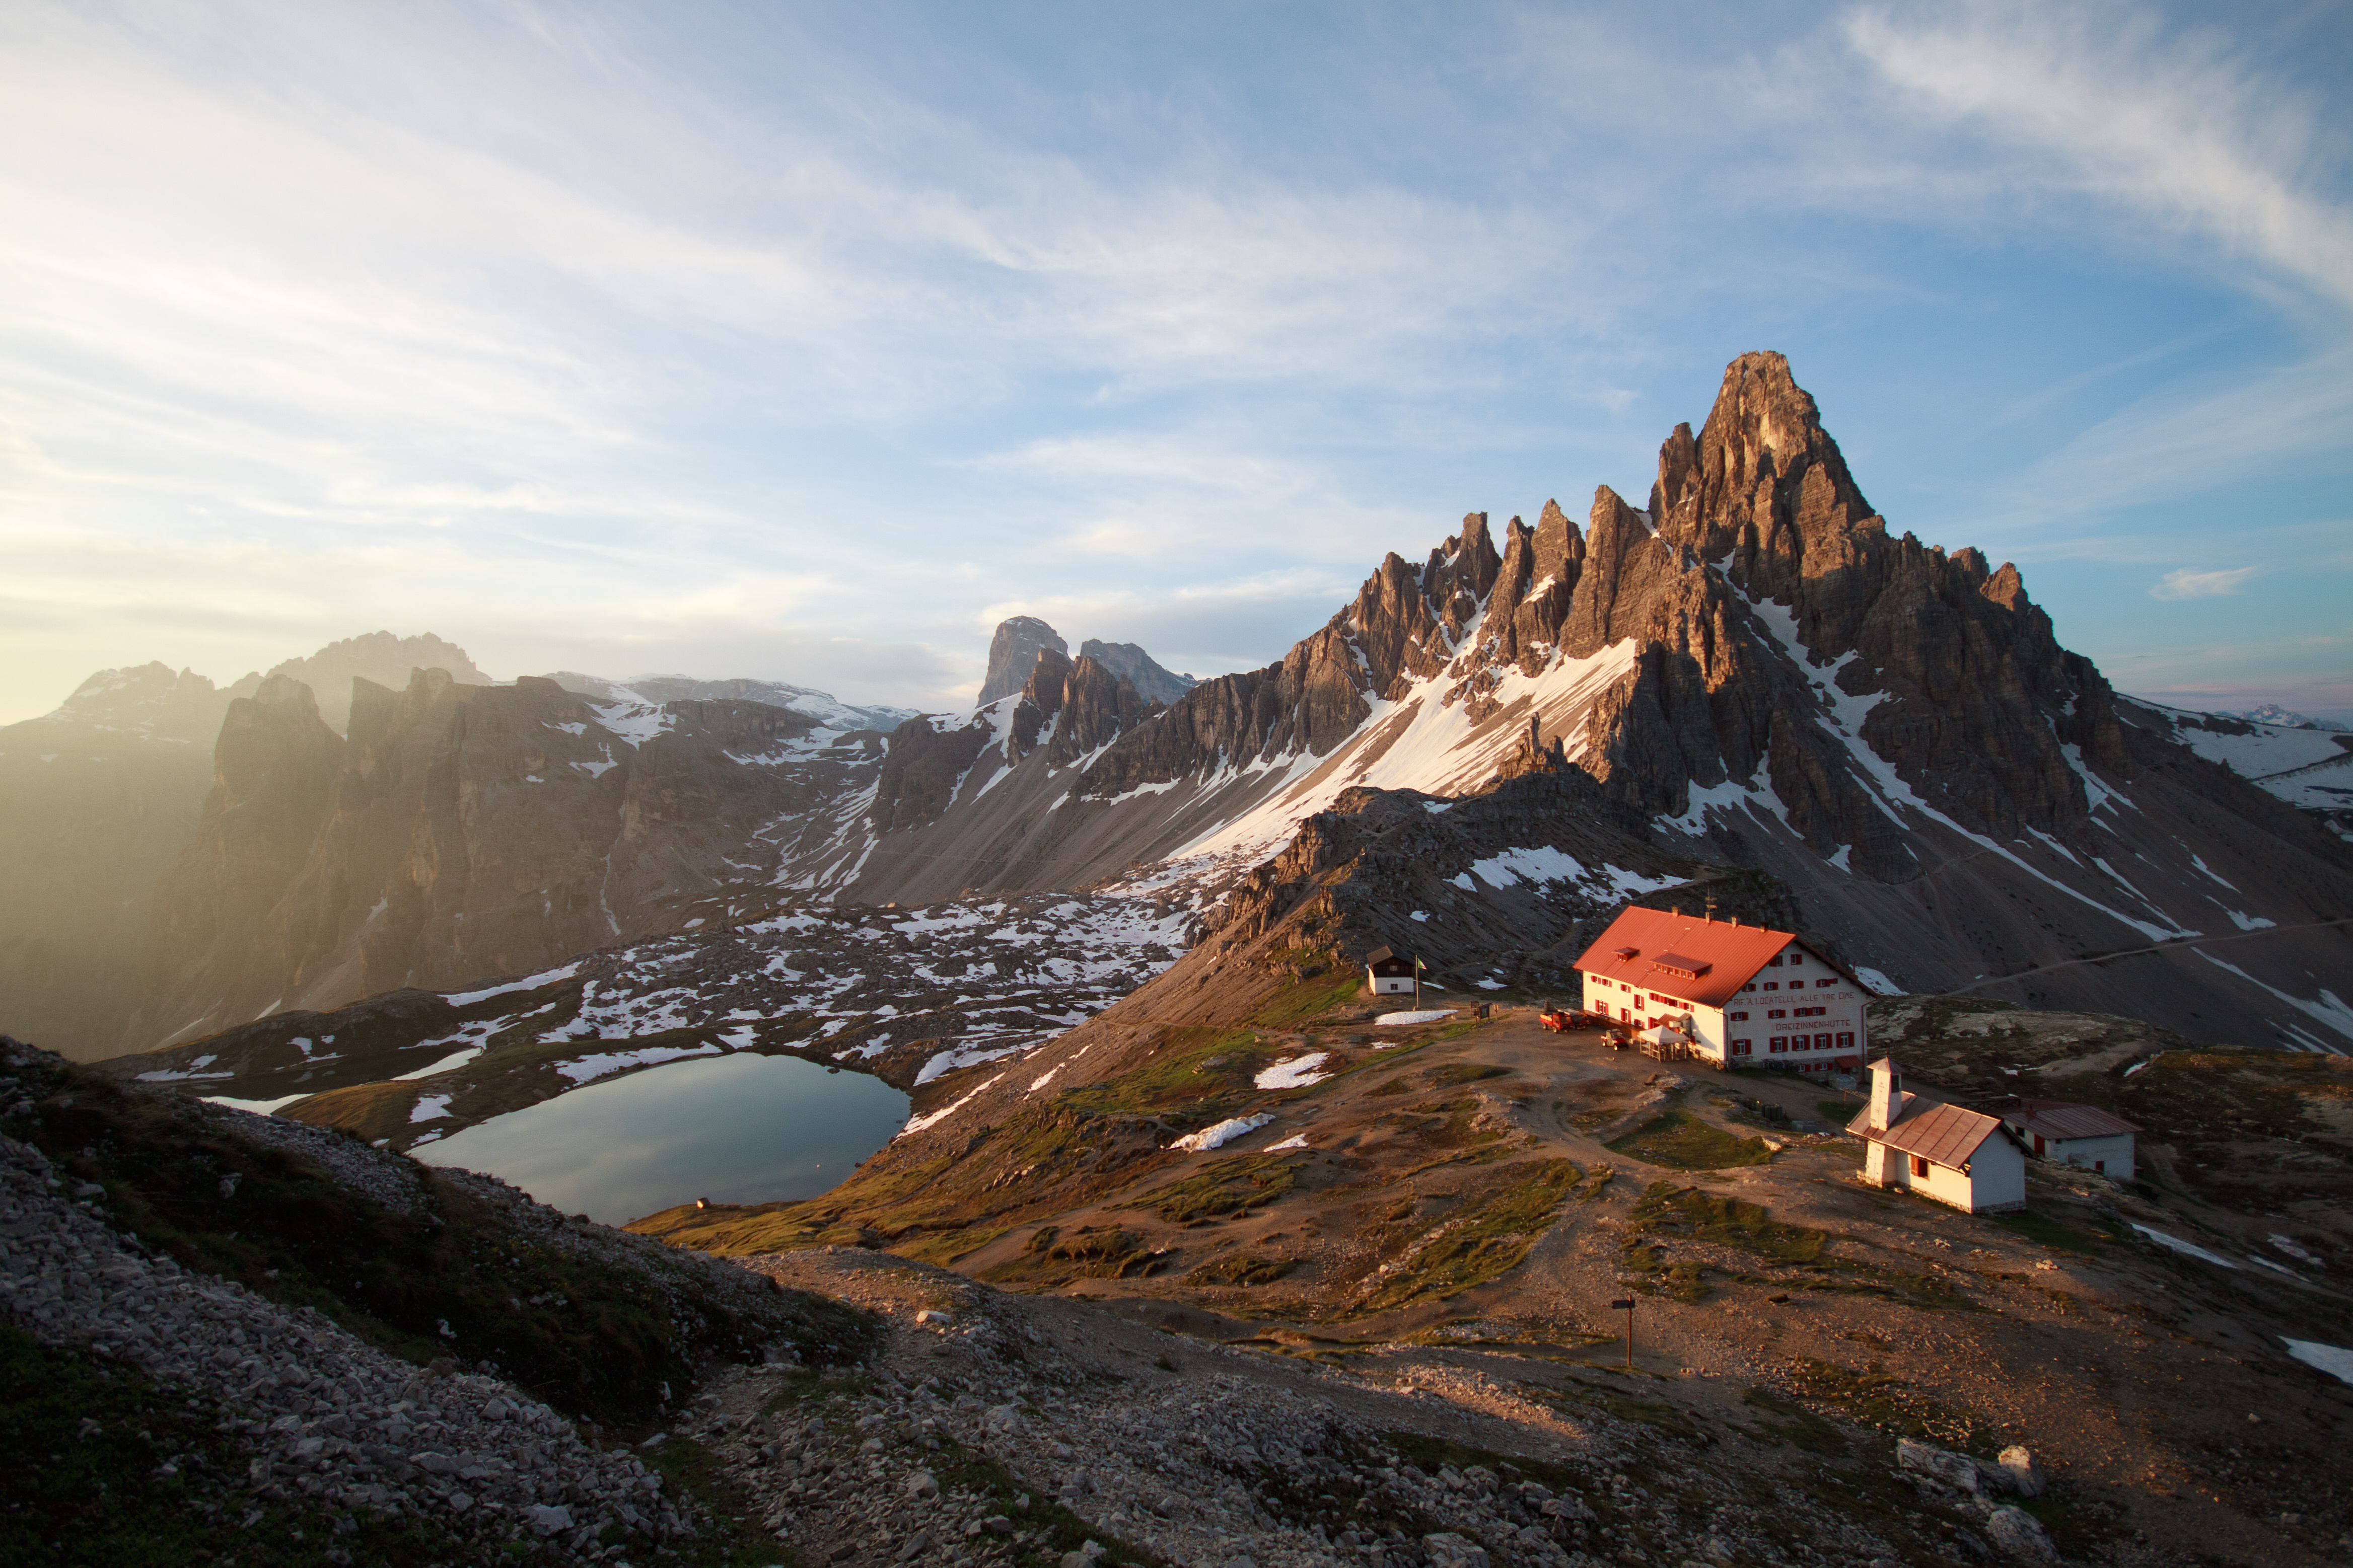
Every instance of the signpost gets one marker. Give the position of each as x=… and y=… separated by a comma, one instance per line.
x=1626, y=1304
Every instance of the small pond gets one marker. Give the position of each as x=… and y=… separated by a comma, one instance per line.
x=741, y=1129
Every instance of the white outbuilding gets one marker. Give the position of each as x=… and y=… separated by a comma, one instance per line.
x=2082, y=1135
x=1954, y=1156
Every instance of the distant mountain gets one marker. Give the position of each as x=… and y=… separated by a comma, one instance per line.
x=2308, y=766
x=1013, y=652
x=1139, y=669
x=2273, y=713
x=96, y=800
x=1750, y=673
x=377, y=656
x=465, y=831
x=829, y=710
x=1764, y=673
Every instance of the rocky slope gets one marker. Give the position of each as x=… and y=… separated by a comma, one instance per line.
x=96, y=801
x=1770, y=677
x=353, y=1330
x=1753, y=666
x=1013, y=651
x=1451, y=1209
x=465, y=831
x=377, y=656
x=653, y=690
x=1139, y=669
x=908, y=996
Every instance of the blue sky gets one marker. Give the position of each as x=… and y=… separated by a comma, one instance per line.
x=806, y=343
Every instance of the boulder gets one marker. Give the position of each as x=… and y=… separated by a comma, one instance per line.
x=2026, y=1476
x=2019, y=1535
x=1448, y=1549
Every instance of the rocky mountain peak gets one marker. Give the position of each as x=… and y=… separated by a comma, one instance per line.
x=379, y=656
x=1139, y=669
x=150, y=699
x=1012, y=655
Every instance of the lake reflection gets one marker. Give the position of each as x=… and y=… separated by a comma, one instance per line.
x=739, y=1128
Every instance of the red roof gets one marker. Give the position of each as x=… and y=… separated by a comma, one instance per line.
x=1945, y=1135
x=1687, y=957
x=2058, y=1118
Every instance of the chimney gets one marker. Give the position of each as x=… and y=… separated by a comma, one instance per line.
x=1886, y=1093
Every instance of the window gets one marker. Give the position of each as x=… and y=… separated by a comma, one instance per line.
x=1822, y=1042
x=1919, y=1166
x=1778, y=1043
x=1846, y=1042
x=1777, y=1011
x=1819, y=983
x=1774, y=961
x=1737, y=1017
x=1743, y=1047
x=1750, y=986
x=1795, y=961
x=1772, y=985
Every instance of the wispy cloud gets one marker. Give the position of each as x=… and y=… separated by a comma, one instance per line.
x=2183, y=583
x=2110, y=103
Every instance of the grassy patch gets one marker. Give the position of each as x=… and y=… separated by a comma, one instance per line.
x=1876, y=1397
x=1467, y=1072
x=1310, y=997
x=1241, y=1269
x=1221, y=1187
x=1091, y=1252
x=87, y=1440
x=2050, y=1232
x=454, y=1278
x=1489, y=1237
x=1800, y=1428
x=1727, y=1222
x=1050, y=1529
x=1199, y=1070
x=1682, y=1141
x=1837, y=1112
x=733, y=1535
x=1597, y=1182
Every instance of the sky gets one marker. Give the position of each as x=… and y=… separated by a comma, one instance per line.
x=806, y=343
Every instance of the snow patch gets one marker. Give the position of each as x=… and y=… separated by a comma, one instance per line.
x=1877, y=981
x=1223, y=1133
x=584, y=1069
x=259, y=1107
x=2334, y=1360
x=2188, y=1249
x=1297, y=1072
x=530, y=983
x=1393, y=1020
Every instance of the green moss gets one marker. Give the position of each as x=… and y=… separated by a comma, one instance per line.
x=1682, y=1141
x=86, y=1440
x=1199, y=1070
x=1053, y=1529
x=1801, y=1428
x=734, y=1535
x=1310, y=997
x=1488, y=1238
x=1467, y=1072
x=1664, y=1210
x=453, y=1277
x=1222, y=1187
x=1241, y=1269
x=1876, y=1397
x=2050, y=1231
x=1091, y=1252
